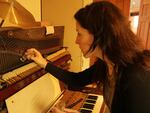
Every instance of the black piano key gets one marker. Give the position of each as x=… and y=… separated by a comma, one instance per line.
x=92, y=97
x=91, y=101
x=88, y=106
x=85, y=111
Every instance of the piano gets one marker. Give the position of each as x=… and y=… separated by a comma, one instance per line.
x=24, y=86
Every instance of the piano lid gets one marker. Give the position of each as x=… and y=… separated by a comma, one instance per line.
x=14, y=14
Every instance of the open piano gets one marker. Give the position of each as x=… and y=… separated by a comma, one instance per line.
x=21, y=79
x=24, y=86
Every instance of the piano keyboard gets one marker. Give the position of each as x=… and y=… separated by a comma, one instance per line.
x=19, y=73
x=92, y=104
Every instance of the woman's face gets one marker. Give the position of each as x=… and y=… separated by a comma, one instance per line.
x=84, y=39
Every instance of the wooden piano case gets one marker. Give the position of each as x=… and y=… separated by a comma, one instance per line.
x=13, y=43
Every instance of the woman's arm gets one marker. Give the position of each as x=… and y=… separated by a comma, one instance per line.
x=76, y=80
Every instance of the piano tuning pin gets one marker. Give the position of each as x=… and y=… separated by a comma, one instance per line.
x=3, y=84
x=23, y=59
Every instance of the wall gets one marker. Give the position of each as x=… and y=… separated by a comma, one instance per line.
x=34, y=6
x=60, y=12
x=86, y=61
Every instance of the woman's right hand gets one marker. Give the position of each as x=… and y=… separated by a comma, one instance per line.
x=35, y=55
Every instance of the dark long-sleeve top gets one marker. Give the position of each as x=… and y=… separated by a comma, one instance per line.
x=132, y=88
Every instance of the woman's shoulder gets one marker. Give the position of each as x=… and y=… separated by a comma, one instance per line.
x=135, y=86
x=141, y=64
x=136, y=68
x=136, y=73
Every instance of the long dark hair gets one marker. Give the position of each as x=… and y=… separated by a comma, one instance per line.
x=112, y=32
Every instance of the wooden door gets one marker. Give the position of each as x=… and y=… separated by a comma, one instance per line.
x=144, y=23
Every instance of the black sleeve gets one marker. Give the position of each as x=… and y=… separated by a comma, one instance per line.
x=137, y=95
x=72, y=79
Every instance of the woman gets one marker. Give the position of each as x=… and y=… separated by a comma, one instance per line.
x=123, y=67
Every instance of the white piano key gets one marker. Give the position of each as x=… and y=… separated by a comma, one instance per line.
x=49, y=57
x=97, y=104
x=25, y=68
x=8, y=75
x=22, y=69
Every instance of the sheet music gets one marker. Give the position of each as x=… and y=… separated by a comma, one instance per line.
x=36, y=97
